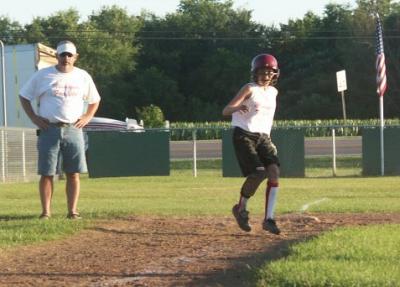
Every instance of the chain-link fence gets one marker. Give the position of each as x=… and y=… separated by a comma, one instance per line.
x=324, y=156
x=18, y=155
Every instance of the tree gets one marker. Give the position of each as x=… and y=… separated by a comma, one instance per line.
x=224, y=72
x=10, y=31
x=109, y=50
x=109, y=46
x=190, y=46
x=371, y=7
x=191, y=62
x=152, y=86
x=59, y=26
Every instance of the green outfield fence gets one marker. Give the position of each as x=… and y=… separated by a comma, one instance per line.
x=310, y=151
x=290, y=145
x=114, y=153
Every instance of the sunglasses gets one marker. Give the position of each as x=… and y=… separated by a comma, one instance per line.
x=66, y=54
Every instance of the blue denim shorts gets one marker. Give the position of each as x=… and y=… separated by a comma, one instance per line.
x=61, y=143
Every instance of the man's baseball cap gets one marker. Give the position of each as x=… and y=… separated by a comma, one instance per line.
x=66, y=47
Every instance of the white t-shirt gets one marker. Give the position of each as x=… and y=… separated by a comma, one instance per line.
x=62, y=96
x=261, y=105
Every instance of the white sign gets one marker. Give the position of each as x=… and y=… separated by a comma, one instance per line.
x=341, y=80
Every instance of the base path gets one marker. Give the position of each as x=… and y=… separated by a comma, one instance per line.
x=160, y=251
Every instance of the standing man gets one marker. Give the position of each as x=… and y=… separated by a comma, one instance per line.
x=62, y=91
x=253, y=110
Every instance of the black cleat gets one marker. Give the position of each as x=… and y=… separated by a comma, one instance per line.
x=242, y=218
x=270, y=225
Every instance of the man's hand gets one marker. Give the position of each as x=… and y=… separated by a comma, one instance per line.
x=85, y=118
x=41, y=123
x=82, y=121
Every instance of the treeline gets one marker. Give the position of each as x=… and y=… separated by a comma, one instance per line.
x=191, y=62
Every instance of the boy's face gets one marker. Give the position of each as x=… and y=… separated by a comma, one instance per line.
x=265, y=75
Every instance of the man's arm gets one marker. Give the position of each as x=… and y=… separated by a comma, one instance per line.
x=40, y=122
x=86, y=117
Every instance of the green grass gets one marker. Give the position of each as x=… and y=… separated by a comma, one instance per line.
x=322, y=166
x=362, y=256
x=340, y=258
x=215, y=164
x=209, y=194
x=18, y=231
x=314, y=166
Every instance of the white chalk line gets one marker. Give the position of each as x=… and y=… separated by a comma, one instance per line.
x=307, y=205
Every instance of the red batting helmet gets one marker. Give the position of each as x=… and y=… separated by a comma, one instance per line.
x=265, y=61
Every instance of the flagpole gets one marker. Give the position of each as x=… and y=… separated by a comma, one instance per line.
x=381, y=85
x=382, y=126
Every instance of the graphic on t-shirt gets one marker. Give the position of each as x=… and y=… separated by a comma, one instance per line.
x=64, y=90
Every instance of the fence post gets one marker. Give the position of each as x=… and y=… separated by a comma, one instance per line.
x=23, y=156
x=3, y=160
x=333, y=152
x=194, y=153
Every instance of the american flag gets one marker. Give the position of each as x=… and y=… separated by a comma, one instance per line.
x=380, y=60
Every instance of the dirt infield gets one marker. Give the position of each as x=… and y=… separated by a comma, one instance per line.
x=143, y=251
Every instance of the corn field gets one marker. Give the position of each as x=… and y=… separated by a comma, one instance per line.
x=312, y=128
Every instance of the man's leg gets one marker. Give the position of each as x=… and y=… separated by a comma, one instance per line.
x=72, y=191
x=74, y=163
x=48, y=150
x=46, y=193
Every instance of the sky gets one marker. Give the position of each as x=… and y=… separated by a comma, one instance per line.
x=266, y=12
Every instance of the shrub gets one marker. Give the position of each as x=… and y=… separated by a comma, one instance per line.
x=152, y=116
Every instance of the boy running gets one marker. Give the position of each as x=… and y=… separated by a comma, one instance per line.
x=253, y=110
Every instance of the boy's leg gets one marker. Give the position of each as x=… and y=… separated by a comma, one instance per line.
x=249, y=188
x=269, y=156
x=271, y=193
x=250, y=185
x=270, y=199
x=245, y=149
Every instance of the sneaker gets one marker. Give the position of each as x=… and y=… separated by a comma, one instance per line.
x=270, y=225
x=242, y=218
x=74, y=216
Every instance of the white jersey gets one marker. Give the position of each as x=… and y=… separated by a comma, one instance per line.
x=261, y=105
x=62, y=96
